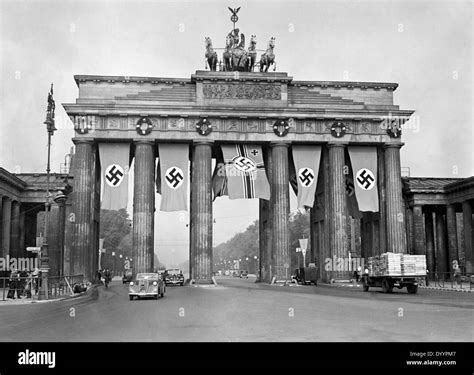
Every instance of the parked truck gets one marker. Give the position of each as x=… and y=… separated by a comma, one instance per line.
x=390, y=270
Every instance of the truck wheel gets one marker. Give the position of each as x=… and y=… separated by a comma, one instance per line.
x=131, y=298
x=412, y=289
x=365, y=286
x=387, y=287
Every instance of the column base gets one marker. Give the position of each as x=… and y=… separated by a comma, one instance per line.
x=202, y=282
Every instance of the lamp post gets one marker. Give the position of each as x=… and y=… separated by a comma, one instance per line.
x=49, y=122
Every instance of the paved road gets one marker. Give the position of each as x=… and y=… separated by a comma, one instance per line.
x=241, y=310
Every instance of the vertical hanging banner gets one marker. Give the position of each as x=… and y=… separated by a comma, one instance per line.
x=364, y=167
x=245, y=172
x=173, y=180
x=114, y=163
x=306, y=160
x=352, y=206
x=219, y=180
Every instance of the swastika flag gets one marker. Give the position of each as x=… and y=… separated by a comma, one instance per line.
x=245, y=172
x=114, y=163
x=364, y=167
x=172, y=176
x=306, y=160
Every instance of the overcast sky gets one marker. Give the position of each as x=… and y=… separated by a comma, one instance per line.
x=424, y=46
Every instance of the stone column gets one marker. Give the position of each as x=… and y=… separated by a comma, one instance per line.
x=6, y=226
x=409, y=230
x=54, y=252
x=266, y=263
x=452, y=235
x=143, y=206
x=419, y=245
x=280, y=200
x=337, y=204
x=467, y=220
x=396, y=233
x=1, y=225
x=325, y=251
x=201, y=200
x=430, y=252
x=15, y=250
x=23, y=252
x=441, y=250
x=82, y=209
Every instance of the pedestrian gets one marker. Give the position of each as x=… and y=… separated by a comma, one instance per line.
x=99, y=275
x=13, y=285
x=457, y=272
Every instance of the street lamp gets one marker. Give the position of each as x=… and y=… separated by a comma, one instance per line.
x=49, y=122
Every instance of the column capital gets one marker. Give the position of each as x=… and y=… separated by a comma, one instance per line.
x=280, y=144
x=137, y=141
x=7, y=198
x=83, y=140
x=393, y=145
x=337, y=144
x=203, y=142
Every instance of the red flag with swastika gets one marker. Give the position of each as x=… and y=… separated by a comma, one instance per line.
x=114, y=163
x=173, y=171
x=364, y=167
x=306, y=160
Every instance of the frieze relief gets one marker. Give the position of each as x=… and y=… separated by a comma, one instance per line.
x=299, y=126
x=237, y=91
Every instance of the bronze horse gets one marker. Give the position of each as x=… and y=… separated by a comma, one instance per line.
x=268, y=58
x=211, y=55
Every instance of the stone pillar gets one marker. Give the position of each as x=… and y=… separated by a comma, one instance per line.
x=430, y=252
x=1, y=226
x=6, y=226
x=468, y=242
x=266, y=263
x=337, y=205
x=54, y=252
x=280, y=200
x=452, y=235
x=441, y=250
x=409, y=230
x=23, y=252
x=396, y=233
x=84, y=178
x=143, y=206
x=201, y=200
x=419, y=245
x=15, y=250
x=325, y=251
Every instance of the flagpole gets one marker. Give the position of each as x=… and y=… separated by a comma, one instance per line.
x=49, y=122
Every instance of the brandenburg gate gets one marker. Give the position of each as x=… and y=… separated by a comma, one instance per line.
x=231, y=104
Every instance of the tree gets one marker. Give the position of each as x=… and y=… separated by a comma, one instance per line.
x=246, y=244
x=114, y=226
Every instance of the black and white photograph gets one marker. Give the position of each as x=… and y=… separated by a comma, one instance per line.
x=176, y=175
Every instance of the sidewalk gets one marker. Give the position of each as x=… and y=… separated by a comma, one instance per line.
x=433, y=286
x=34, y=299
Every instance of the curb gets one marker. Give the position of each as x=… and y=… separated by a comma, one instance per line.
x=446, y=289
x=82, y=294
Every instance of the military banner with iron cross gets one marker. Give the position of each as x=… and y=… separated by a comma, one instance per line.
x=172, y=176
x=245, y=172
x=114, y=162
x=306, y=160
x=364, y=167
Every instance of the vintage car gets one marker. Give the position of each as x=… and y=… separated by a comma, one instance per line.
x=244, y=273
x=174, y=277
x=147, y=285
x=127, y=277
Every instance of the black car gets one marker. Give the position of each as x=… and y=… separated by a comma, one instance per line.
x=174, y=277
